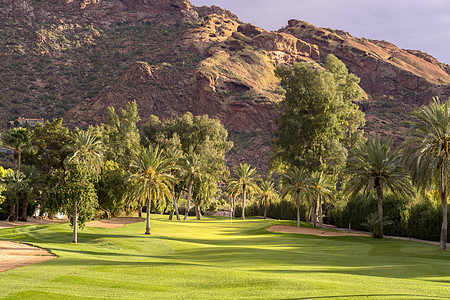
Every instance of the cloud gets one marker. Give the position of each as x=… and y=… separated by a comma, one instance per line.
x=411, y=24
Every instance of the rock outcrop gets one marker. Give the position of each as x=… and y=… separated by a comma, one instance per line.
x=74, y=58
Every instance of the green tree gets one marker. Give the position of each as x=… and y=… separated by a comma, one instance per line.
x=323, y=190
x=18, y=139
x=192, y=169
x=32, y=184
x=374, y=166
x=297, y=183
x=428, y=153
x=267, y=194
x=245, y=180
x=151, y=180
x=15, y=184
x=121, y=136
x=175, y=155
x=83, y=169
x=111, y=188
x=319, y=120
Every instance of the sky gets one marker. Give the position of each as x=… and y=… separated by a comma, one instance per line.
x=409, y=24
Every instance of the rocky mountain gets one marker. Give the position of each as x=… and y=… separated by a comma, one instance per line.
x=74, y=58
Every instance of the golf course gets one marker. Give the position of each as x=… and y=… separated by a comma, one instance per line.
x=216, y=259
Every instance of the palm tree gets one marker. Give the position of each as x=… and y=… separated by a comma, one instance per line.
x=233, y=191
x=175, y=156
x=192, y=168
x=245, y=181
x=428, y=153
x=374, y=166
x=323, y=188
x=297, y=183
x=32, y=178
x=267, y=194
x=86, y=157
x=15, y=183
x=17, y=138
x=152, y=179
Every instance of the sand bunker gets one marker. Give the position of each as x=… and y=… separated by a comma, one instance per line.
x=14, y=255
x=311, y=231
x=113, y=223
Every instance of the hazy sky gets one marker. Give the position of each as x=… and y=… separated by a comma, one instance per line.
x=410, y=24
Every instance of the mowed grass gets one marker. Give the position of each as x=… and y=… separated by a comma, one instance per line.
x=217, y=259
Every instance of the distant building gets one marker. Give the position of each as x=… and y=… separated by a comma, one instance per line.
x=6, y=150
x=31, y=122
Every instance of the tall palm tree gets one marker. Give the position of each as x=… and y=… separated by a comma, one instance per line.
x=428, y=152
x=297, y=183
x=374, y=166
x=86, y=156
x=192, y=168
x=152, y=179
x=323, y=189
x=17, y=138
x=267, y=194
x=175, y=155
x=245, y=181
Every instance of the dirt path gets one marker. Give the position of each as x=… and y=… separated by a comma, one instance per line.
x=31, y=221
x=114, y=223
x=14, y=255
x=311, y=231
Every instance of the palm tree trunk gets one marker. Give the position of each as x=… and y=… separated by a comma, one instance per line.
x=297, y=202
x=171, y=214
x=380, y=206
x=188, y=205
x=19, y=158
x=233, y=211
x=175, y=202
x=140, y=210
x=12, y=212
x=265, y=211
x=16, y=159
x=147, y=228
x=243, y=201
x=24, y=207
x=315, y=214
x=443, y=243
x=320, y=211
x=75, y=224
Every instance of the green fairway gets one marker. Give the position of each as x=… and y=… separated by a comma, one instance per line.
x=213, y=259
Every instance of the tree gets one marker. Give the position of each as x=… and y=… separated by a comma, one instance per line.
x=374, y=166
x=192, y=168
x=121, y=136
x=151, y=180
x=18, y=139
x=267, y=194
x=428, y=152
x=31, y=185
x=319, y=120
x=246, y=182
x=175, y=155
x=233, y=191
x=323, y=189
x=15, y=183
x=297, y=183
x=83, y=169
x=111, y=188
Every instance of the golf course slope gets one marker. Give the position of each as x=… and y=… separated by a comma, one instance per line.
x=216, y=259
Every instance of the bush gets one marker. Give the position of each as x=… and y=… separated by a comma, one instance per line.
x=357, y=210
x=425, y=221
x=283, y=210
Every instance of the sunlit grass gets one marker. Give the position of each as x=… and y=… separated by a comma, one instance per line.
x=215, y=258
